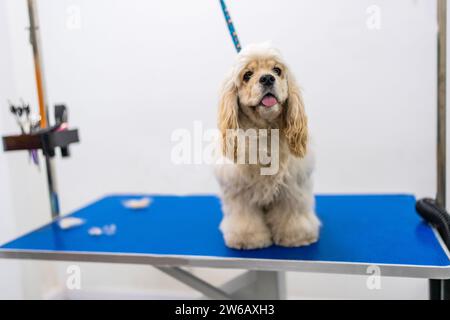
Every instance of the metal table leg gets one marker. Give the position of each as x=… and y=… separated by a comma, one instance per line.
x=258, y=285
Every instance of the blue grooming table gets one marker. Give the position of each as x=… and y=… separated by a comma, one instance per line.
x=358, y=231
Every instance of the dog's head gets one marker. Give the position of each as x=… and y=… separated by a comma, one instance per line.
x=261, y=87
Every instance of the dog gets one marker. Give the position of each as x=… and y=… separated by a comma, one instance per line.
x=261, y=94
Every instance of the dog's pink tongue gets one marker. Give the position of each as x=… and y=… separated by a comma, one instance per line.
x=269, y=101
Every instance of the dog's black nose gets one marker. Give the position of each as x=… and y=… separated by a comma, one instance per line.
x=267, y=80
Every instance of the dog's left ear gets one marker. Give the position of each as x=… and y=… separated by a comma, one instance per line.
x=296, y=122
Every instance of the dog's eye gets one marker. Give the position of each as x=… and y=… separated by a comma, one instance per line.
x=277, y=71
x=247, y=75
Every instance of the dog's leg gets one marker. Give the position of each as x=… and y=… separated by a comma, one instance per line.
x=243, y=226
x=293, y=222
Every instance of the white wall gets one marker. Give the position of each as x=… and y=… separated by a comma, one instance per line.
x=136, y=70
x=10, y=273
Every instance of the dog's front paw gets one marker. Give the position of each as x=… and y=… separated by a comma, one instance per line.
x=247, y=241
x=299, y=230
x=245, y=232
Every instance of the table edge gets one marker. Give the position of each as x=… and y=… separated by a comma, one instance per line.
x=336, y=267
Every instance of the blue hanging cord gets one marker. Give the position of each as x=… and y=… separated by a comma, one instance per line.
x=230, y=25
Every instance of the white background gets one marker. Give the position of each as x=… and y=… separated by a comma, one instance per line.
x=131, y=72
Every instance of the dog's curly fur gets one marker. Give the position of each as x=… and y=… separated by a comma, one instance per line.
x=263, y=209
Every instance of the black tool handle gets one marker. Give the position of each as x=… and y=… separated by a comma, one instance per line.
x=61, y=115
x=431, y=212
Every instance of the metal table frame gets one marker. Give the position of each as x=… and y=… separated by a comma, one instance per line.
x=441, y=289
x=264, y=279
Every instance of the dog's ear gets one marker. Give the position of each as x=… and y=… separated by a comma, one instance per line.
x=228, y=117
x=296, y=122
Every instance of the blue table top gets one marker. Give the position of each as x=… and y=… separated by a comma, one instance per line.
x=368, y=229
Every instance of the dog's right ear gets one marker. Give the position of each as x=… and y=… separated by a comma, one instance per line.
x=228, y=117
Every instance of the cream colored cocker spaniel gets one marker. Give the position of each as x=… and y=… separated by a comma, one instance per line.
x=260, y=96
